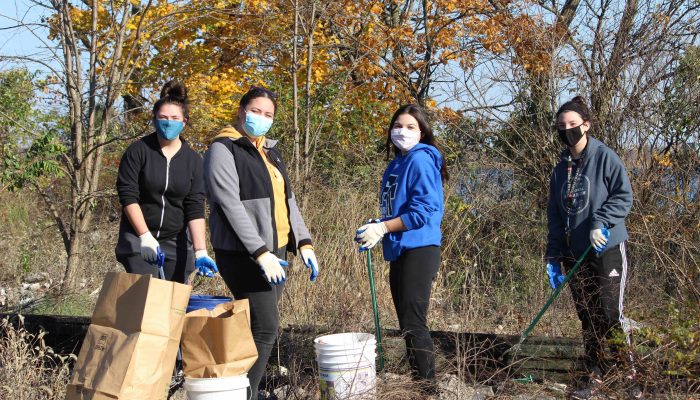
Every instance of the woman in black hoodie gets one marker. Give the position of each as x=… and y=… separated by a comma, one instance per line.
x=161, y=191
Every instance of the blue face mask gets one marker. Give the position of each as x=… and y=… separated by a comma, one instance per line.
x=169, y=129
x=256, y=125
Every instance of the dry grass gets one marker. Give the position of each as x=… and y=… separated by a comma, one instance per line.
x=29, y=370
x=491, y=278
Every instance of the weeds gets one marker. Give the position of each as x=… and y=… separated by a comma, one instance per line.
x=71, y=304
x=491, y=279
x=29, y=369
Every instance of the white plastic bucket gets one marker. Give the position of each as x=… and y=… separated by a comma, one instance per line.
x=226, y=388
x=346, y=366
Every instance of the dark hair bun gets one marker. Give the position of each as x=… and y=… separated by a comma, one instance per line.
x=577, y=104
x=175, y=91
x=579, y=99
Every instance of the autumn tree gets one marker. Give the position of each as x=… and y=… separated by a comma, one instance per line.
x=341, y=66
x=95, y=46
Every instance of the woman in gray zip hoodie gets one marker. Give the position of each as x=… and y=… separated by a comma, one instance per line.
x=589, y=197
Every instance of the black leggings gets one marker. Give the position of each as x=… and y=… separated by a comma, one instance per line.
x=411, y=278
x=245, y=280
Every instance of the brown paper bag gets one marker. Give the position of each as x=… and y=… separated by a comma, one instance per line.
x=219, y=342
x=130, y=348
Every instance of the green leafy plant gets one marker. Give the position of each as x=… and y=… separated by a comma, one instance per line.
x=676, y=343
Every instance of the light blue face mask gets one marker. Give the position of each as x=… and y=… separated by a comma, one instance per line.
x=169, y=129
x=256, y=125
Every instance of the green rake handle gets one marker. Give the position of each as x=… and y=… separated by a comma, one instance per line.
x=554, y=295
x=377, y=328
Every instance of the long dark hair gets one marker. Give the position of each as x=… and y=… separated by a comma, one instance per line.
x=427, y=136
x=173, y=92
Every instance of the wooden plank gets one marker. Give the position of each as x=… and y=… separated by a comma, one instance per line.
x=478, y=354
x=552, y=376
x=549, y=364
x=551, y=351
x=64, y=334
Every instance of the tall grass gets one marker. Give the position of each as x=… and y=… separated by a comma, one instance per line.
x=29, y=370
x=491, y=278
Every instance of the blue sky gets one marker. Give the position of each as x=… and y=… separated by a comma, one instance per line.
x=22, y=41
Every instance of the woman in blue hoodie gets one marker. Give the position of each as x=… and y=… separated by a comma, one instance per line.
x=411, y=205
x=589, y=197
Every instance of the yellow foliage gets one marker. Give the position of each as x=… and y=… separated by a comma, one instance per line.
x=663, y=160
x=366, y=52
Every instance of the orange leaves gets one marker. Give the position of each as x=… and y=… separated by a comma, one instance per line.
x=366, y=51
x=533, y=41
x=449, y=116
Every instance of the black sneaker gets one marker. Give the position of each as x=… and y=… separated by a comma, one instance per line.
x=636, y=391
x=265, y=395
x=592, y=390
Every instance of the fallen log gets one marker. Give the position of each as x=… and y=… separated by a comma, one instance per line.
x=478, y=355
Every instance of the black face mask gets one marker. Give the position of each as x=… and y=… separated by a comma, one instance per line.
x=570, y=136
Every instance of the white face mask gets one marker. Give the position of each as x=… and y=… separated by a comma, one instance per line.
x=405, y=139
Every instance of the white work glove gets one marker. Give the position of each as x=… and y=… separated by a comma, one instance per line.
x=149, y=247
x=370, y=234
x=271, y=268
x=309, y=258
x=599, y=239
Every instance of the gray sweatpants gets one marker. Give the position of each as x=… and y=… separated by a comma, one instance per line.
x=179, y=256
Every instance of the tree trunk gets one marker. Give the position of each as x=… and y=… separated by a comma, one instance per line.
x=296, y=159
x=307, y=128
x=73, y=262
x=540, y=107
x=602, y=95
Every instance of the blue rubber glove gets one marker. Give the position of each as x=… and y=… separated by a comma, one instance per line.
x=556, y=278
x=160, y=258
x=309, y=258
x=599, y=239
x=204, y=265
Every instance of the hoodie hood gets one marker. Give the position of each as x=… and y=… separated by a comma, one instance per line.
x=426, y=148
x=229, y=132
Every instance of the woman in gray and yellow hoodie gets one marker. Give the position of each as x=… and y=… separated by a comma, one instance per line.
x=254, y=218
x=589, y=197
